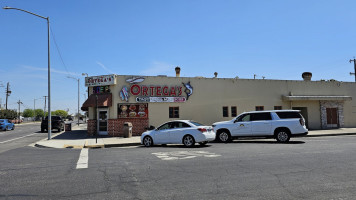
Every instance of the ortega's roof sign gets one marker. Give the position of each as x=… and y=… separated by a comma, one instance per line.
x=100, y=80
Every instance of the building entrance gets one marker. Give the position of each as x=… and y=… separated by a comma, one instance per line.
x=332, y=118
x=103, y=121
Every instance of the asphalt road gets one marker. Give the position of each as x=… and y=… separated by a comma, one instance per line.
x=23, y=135
x=307, y=168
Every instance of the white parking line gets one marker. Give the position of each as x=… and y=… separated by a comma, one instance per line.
x=17, y=138
x=83, y=159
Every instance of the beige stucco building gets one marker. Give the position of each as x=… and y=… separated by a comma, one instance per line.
x=153, y=100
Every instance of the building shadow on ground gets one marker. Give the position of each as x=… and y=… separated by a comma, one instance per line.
x=197, y=146
x=72, y=135
x=268, y=142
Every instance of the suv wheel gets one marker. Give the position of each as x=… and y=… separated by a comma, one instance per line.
x=282, y=135
x=224, y=136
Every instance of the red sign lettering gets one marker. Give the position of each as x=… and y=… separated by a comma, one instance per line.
x=165, y=91
x=173, y=91
x=135, y=90
x=158, y=91
x=144, y=90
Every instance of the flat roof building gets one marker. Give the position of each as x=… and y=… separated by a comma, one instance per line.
x=153, y=100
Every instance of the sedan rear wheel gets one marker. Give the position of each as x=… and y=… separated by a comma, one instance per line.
x=188, y=141
x=147, y=141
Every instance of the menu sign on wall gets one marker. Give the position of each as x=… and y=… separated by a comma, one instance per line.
x=133, y=110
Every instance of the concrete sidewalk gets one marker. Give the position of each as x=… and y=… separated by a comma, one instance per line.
x=77, y=138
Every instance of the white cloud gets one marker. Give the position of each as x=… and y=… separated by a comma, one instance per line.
x=159, y=68
x=52, y=70
x=105, y=68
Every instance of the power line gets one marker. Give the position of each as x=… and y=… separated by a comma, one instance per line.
x=59, y=52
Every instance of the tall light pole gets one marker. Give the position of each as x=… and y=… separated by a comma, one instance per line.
x=86, y=74
x=78, y=94
x=49, y=68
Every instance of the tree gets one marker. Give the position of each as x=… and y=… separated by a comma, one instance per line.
x=39, y=113
x=28, y=113
x=61, y=113
x=8, y=114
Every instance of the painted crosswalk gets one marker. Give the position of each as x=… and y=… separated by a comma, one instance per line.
x=83, y=159
x=182, y=155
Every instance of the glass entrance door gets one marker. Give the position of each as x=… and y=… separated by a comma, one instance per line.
x=103, y=121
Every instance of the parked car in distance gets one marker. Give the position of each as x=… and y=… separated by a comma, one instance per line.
x=6, y=125
x=278, y=124
x=184, y=132
x=56, y=122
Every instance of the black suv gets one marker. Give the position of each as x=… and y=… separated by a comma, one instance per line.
x=57, y=123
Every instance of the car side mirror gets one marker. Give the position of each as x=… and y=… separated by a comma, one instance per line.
x=235, y=121
x=151, y=128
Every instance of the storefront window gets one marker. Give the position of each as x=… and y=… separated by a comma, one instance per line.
x=233, y=111
x=173, y=112
x=259, y=108
x=225, y=111
x=277, y=107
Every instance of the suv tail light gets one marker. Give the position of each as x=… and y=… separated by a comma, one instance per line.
x=301, y=121
x=202, y=130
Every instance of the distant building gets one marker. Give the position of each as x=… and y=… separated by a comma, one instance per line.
x=153, y=100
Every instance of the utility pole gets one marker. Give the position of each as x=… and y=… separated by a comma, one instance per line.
x=34, y=108
x=354, y=74
x=8, y=92
x=19, y=102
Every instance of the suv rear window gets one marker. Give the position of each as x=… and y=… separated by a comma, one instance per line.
x=261, y=116
x=289, y=115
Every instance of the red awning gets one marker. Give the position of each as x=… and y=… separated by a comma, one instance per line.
x=104, y=100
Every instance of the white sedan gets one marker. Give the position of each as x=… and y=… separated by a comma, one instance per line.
x=178, y=132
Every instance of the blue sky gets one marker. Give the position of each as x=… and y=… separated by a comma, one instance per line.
x=277, y=39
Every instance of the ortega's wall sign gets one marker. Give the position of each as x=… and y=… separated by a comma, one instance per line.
x=157, y=93
x=143, y=90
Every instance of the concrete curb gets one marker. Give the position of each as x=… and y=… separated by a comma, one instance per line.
x=122, y=145
x=42, y=146
x=331, y=134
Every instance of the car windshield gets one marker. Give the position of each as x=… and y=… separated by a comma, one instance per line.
x=196, y=123
x=54, y=118
x=2, y=120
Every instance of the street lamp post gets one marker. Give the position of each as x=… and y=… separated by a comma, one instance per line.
x=77, y=79
x=49, y=68
x=86, y=74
